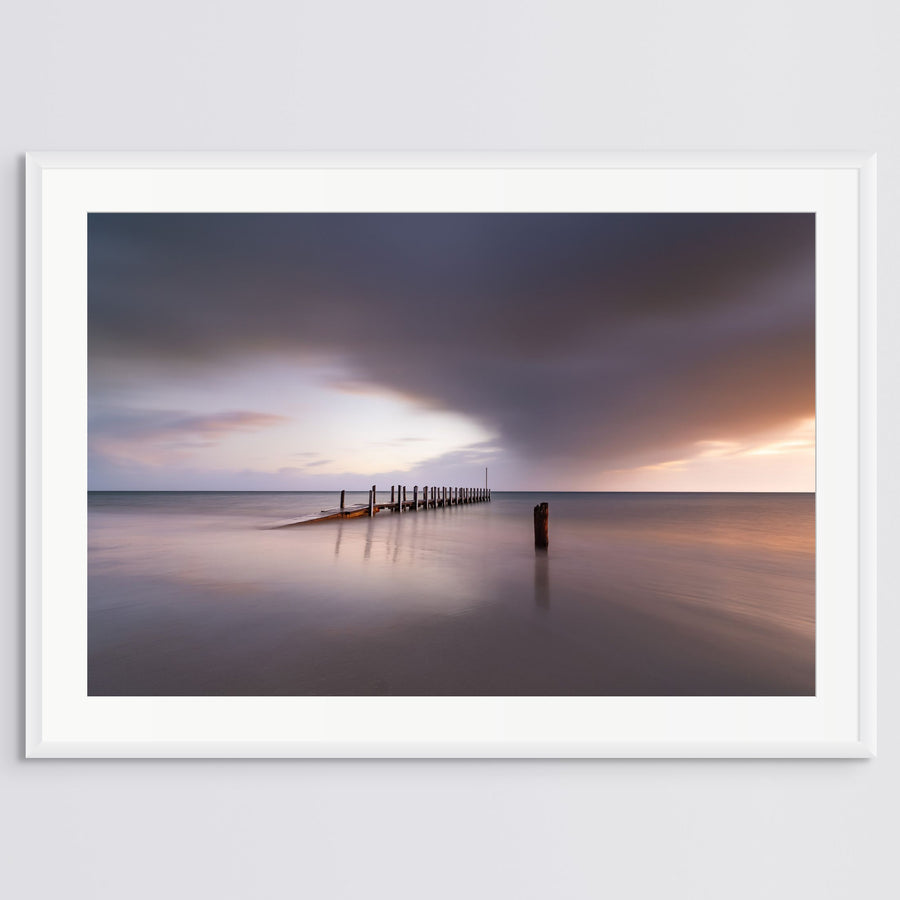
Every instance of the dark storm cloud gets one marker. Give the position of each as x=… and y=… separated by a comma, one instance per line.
x=574, y=336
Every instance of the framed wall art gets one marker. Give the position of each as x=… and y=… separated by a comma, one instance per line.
x=495, y=455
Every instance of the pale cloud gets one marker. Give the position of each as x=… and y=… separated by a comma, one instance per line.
x=162, y=437
x=769, y=461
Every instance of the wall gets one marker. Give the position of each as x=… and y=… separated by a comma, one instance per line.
x=283, y=74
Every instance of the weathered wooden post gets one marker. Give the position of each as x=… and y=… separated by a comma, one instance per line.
x=372, y=501
x=392, y=493
x=542, y=526
x=415, y=498
x=425, y=497
x=343, y=496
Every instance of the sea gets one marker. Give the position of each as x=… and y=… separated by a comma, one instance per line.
x=638, y=594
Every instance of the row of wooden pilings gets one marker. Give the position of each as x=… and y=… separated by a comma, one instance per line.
x=430, y=498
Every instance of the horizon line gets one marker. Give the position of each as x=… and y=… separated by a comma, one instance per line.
x=366, y=490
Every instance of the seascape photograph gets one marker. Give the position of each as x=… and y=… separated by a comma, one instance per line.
x=451, y=454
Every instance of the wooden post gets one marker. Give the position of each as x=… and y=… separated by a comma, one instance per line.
x=392, y=493
x=425, y=497
x=415, y=498
x=399, y=499
x=372, y=501
x=542, y=526
x=343, y=496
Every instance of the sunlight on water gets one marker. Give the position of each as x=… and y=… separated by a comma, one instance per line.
x=640, y=594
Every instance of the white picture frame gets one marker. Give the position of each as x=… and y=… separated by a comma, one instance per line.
x=63, y=721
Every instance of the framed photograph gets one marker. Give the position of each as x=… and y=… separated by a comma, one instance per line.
x=439, y=455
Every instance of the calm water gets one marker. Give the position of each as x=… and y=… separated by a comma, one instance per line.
x=639, y=594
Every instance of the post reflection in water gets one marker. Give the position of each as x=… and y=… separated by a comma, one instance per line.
x=368, y=549
x=542, y=578
x=337, y=542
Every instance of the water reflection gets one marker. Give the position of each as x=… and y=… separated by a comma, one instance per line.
x=367, y=552
x=542, y=578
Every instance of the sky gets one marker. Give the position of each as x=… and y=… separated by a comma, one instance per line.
x=329, y=351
